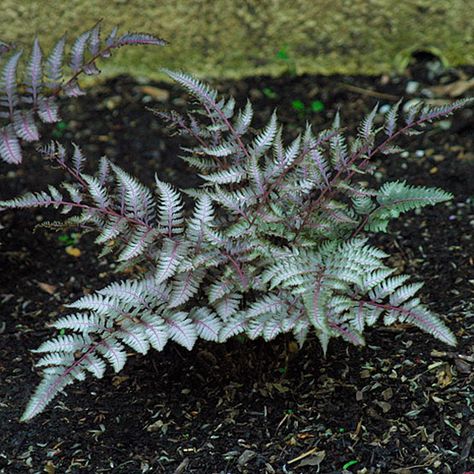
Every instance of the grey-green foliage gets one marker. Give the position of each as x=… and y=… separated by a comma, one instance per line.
x=276, y=243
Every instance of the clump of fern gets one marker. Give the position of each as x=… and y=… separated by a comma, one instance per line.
x=277, y=241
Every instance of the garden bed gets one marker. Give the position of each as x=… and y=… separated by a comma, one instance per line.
x=402, y=404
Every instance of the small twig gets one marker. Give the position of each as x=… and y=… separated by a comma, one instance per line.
x=368, y=92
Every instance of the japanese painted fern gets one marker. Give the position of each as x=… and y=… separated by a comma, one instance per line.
x=276, y=241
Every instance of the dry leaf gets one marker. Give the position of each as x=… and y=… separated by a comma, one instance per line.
x=50, y=289
x=293, y=347
x=50, y=468
x=73, y=251
x=387, y=394
x=454, y=89
x=119, y=379
x=161, y=95
x=386, y=407
x=313, y=460
x=444, y=376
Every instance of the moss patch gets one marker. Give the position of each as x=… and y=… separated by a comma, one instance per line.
x=226, y=38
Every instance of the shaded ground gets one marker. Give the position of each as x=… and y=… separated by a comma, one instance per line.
x=400, y=405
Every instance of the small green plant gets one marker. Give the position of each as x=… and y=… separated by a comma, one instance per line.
x=269, y=93
x=69, y=239
x=277, y=240
x=284, y=56
x=316, y=106
x=59, y=129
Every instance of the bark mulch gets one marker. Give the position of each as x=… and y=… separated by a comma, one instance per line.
x=403, y=404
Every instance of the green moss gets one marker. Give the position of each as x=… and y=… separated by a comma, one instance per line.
x=226, y=38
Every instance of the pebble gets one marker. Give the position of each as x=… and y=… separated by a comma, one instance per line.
x=384, y=108
x=444, y=124
x=412, y=87
x=419, y=153
x=113, y=102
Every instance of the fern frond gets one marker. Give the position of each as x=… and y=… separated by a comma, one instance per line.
x=244, y=119
x=136, y=198
x=139, y=39
x=207, y=324
x=8, y=81
x=198, y=89
x=133, y=335
x=171, y=255
x=181, y=329
x=185, y=286
x=48, y=110
x=45, y=79
x=171, y=208
x=114, y=352
x=25, y=127
x=391, y=119
x=34, y=71
x=81, y=322
x=10, y=149
x=139, y=240
x=227, y=306
x=229, y=176
x=77, y=51
x=54, y=64
x=201, y=219
x=366, y=130
x=97, y=191
x=221, y=150
x=264, y=140
x=398, y=197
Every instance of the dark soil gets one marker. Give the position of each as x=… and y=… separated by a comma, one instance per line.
x=403, y=404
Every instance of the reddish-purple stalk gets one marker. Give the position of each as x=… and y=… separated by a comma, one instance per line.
x=238, y=269
x=103, y=210
x=415, y=315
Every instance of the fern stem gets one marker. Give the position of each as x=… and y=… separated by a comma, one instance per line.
x=388, y=307
x=76, y=175
x=104, y=210
x=238, y=269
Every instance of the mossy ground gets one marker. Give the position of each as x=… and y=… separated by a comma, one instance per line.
x=231, y=39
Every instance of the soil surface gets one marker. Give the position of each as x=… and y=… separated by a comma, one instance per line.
x=403, y=404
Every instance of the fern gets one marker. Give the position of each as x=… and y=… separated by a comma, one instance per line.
x=277, y=241
x=36, y=92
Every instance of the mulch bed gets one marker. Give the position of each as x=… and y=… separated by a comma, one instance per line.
x=403, y=404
